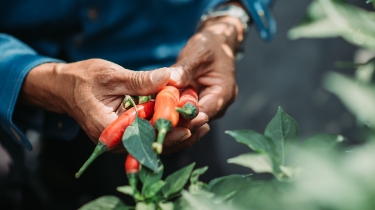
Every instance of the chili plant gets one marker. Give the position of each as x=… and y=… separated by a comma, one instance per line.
x=272, y=153
x=314, y=173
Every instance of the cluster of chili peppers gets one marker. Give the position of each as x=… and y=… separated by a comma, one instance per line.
x=163, y=113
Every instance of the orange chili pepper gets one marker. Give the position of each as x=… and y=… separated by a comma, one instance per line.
x=165, y=117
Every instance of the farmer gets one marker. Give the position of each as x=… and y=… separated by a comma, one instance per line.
x=65, y=67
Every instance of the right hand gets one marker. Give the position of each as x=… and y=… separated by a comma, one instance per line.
x=90, y=91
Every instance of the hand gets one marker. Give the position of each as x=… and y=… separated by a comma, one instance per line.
x=207, y=63
x=90, y=91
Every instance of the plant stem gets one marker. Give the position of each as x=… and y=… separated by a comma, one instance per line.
x=99, y=149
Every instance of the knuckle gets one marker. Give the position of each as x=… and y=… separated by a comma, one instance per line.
x=107, y=76
x=136, y=80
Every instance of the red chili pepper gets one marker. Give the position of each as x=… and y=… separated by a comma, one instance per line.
x=188, y=104
x=165, y=117
x=131, y=165
x=112, y=134
x=132, y=170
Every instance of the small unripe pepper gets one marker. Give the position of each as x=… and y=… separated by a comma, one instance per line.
x=188, y=103
x=132, y=170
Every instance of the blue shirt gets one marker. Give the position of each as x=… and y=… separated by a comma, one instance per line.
x=138, y=35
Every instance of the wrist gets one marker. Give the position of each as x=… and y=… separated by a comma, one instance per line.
x=227, y=29
x=41, y=88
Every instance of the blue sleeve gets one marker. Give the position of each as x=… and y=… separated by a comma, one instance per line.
x=261, y=17
x=16, y=60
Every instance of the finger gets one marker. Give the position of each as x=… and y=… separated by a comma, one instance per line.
x=183, y=71
x=186, y=143
x=192, y=125
x=144, y=82
x=176, y=135
x=215, y=100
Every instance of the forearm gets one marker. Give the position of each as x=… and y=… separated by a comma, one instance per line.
x=40, y=88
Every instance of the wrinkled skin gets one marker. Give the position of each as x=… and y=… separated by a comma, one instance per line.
x=91, y=91
x=207, y=63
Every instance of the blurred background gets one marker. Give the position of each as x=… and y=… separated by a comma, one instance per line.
x=283, y=72
x=287, y=73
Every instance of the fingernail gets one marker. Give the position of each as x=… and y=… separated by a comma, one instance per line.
x=204, y=132
x=201, y=134
x=159, y=74
x=175, y=74
x=183, y=138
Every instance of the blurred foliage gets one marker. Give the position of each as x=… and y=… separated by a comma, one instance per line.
x=328, y=18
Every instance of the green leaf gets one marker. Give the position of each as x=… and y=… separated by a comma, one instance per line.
x=173, y=196
x=359, y=30
x=359, y=98
x=196, y=173
x=365, y=72
x=105, y=203
x=318, y=29
x=259, y=163
x=282, y=130
x=227, y=186
x=126, y=190
x=323, y=142
x=196, y=186
x=191, y=201
x=138, y=139
x=350, y=65
x=166, y=206
x=148, y=177
x=288, y=173
x=256, y=141
x=145, y=206
x=326, y=18
x=153, y=189
x=315, y=24
x=257, y=195
x=176, y=181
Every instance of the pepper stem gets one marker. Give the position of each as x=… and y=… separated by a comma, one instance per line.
x=99, y=149
x=143, y=99
x=130, y=99
x=163, y=126
x=126, y=103
x=133, y=180
x=188, y=111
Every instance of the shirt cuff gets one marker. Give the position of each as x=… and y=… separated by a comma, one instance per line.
x=13, y=70
x=261, y=17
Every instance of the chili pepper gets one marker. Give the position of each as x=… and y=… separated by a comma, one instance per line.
x=132, y=169
x=112, y=134
x=188, y=103
x=131, y=165
x=165, y=117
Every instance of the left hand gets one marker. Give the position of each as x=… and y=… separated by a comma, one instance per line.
x=207, y=63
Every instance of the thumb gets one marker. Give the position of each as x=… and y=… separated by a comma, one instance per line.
x=146, y=82
x=182, y=72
